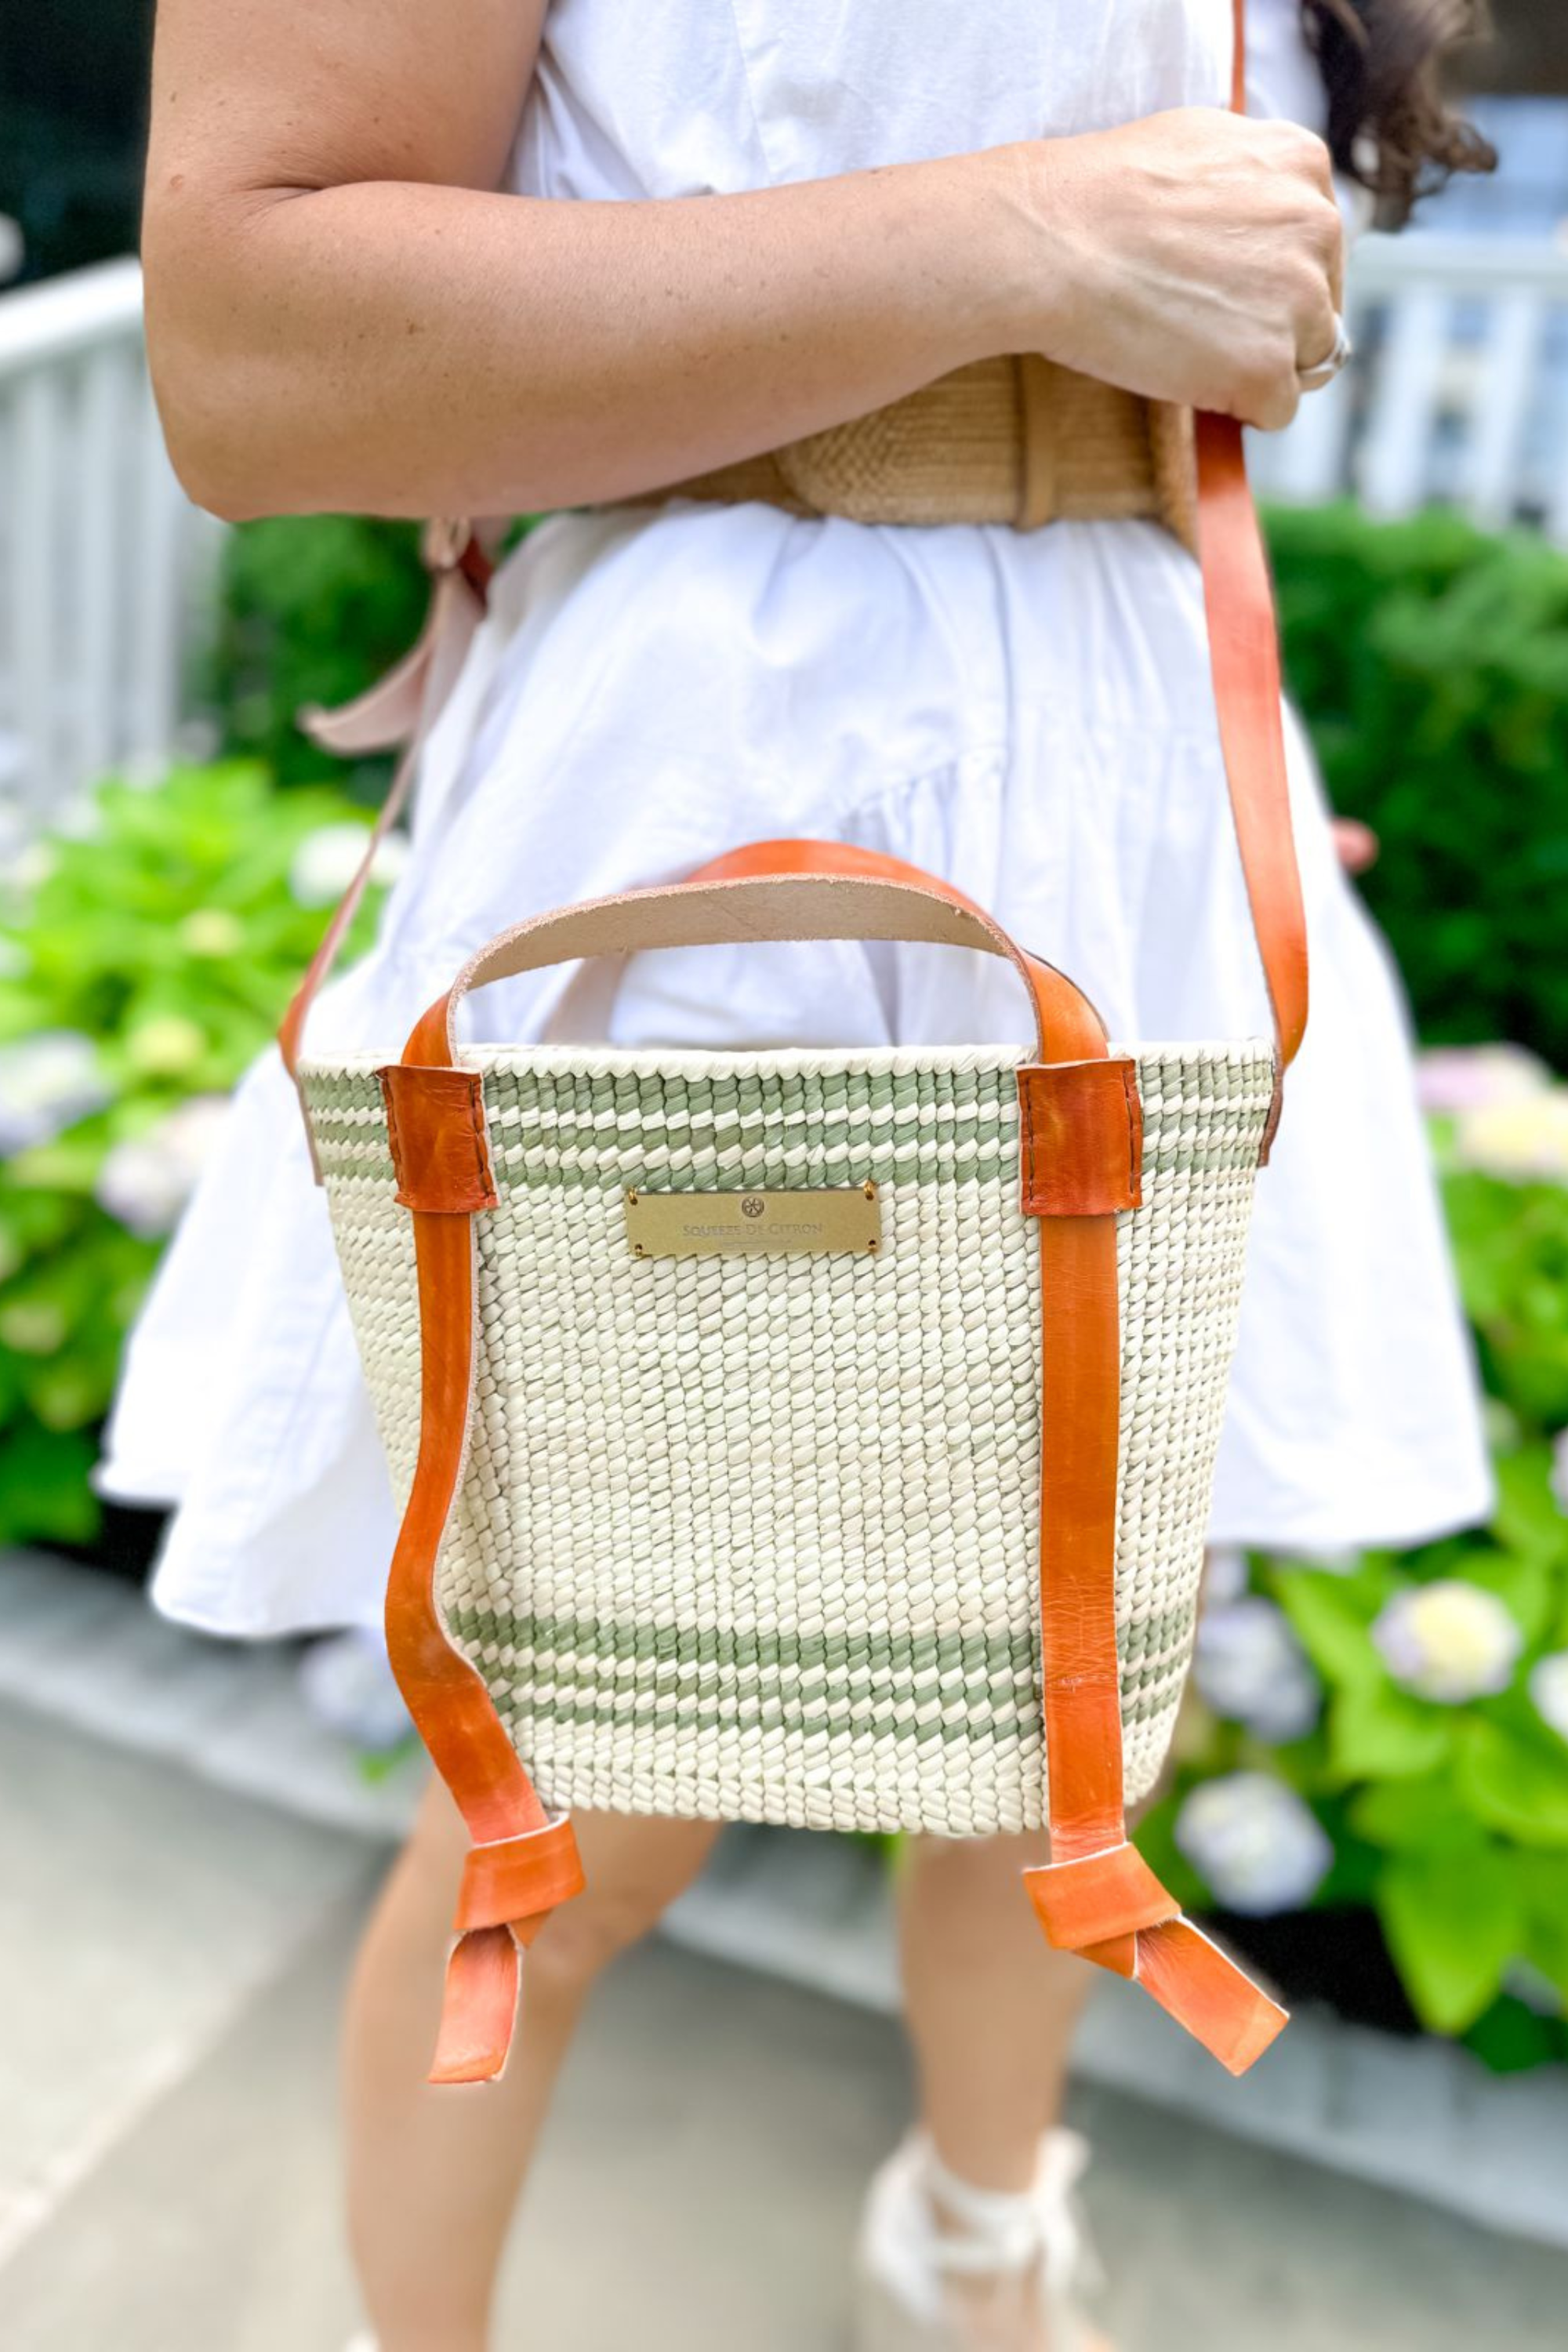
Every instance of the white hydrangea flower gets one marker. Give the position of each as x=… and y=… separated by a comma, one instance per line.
x=1450, y=1640
x=165, y=1046
x=146, y=1180
x=26, y=869
x=1258, y=1848
x=46, y=1084
x=1225, y=1574
x=1549, y=1690
x=212, y=932
x=348, y=1686
x=327, y=860
x=1250, y=1667
x=1523, y=1142
x=79, y=819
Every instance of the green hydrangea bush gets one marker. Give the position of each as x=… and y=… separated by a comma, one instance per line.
x=1392, y=1729
x=147, y=957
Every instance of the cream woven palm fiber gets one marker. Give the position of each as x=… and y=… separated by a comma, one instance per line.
x=756, y=1538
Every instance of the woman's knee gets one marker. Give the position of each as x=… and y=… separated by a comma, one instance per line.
x=634, y=1869
x=633, y=1872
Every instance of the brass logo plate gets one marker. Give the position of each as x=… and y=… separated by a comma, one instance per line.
x=747, y=1224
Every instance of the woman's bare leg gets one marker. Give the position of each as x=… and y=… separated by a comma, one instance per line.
x=433, y=2174
x=991, y=2007
x=991, y=2011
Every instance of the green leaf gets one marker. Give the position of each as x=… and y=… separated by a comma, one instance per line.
x=1378, y=1733
x=1528, y=1519
x=1331, y=1616
x=1515, y=1785
x=1453, y=1923
x=44, y=1491
x=1509, y=2038
x=1413, y=1816
x=1543, y=1884
x=1523, y=1581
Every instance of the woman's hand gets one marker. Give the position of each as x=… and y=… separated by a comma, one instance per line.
x=1195, y=257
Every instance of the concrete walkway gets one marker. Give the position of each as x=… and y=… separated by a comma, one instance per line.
x=172, y=1957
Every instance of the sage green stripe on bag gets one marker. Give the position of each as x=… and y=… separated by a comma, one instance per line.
x=989, y=1674
x=599, y=1131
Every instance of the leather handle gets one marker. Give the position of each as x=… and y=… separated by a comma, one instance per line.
x=809, y=890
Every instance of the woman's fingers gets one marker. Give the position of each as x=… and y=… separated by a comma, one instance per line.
x=1270, y=398
x=1196, y=258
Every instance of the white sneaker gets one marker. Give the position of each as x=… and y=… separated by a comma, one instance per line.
x=993, y=2273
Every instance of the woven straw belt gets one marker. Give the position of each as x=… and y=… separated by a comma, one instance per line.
x=1012, y=440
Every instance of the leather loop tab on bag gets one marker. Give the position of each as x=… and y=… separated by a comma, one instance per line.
x=1081, y=1131
x=518, y=1879
x=435, y=1125
x=1096, y=1896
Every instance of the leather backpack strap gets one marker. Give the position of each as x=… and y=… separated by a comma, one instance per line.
x=1097, y=1896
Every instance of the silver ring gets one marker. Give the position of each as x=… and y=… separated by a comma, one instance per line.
x=1314, y=379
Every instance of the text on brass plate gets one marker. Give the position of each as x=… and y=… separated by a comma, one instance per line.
x=733, y=1224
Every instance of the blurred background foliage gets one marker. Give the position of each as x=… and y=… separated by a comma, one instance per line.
x=1385, y=1736
x=1430, y=661
x=147, y=959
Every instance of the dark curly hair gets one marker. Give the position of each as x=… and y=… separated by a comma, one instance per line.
x=1389, y=124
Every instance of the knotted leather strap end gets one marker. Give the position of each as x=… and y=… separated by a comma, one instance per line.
x=508, y=1891
x=479, y=2007
x=519, y=1880
x=1205, y=1991
x=1110, y=1908
x=1081, y=1137
x=435, y=1127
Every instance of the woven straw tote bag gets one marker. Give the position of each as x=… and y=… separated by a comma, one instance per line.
x=822, y=1438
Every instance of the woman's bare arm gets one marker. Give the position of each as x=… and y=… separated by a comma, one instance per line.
x=344, y=313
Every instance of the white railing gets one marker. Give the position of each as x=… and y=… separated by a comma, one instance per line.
x=1458, y=393
x=101, y=555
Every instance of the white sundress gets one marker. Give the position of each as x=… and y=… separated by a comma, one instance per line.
x=1028, y=715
